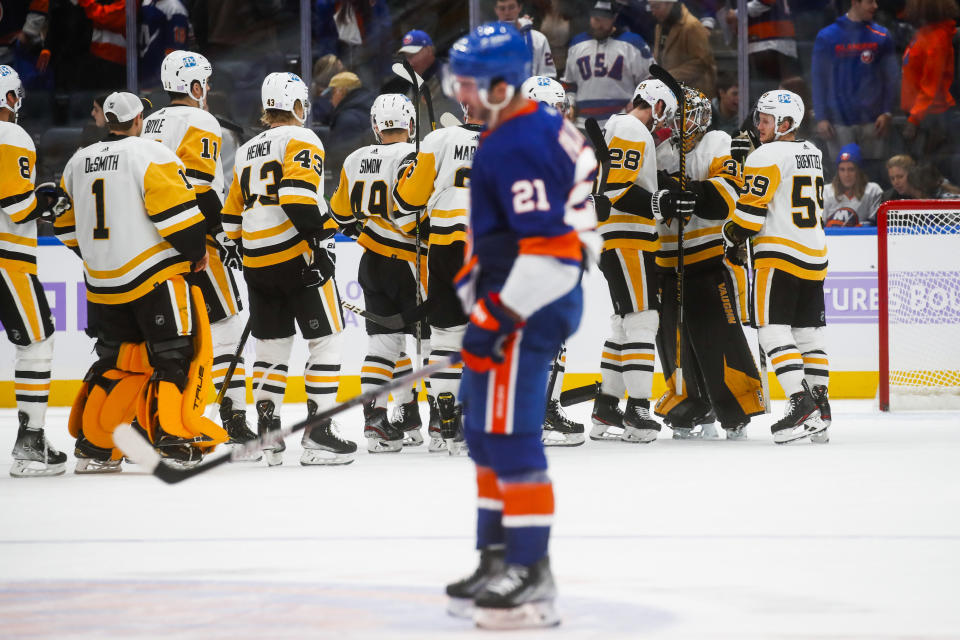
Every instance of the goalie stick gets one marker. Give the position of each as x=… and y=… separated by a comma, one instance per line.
x=135, y=447
x=762, y=356
x=664, y=76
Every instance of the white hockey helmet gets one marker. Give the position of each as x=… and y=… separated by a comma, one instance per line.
x=282, y=90
x=10, y=81
x=652, y=92
x=780, y=104
x=392, y=111
x=546, y=90
x=180, y=69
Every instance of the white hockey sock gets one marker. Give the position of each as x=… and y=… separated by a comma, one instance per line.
x=560, y=363
x=778, y=343
x=403, y=367
x=31, y=380
x=383, y=351
x=816, y=365
x=270, y=370
x=445, y=343
x=611, y=360
x=637, y=353
x=321, y=375
x=225, y=336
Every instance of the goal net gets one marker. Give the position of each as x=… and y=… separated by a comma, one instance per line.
x=919, y=297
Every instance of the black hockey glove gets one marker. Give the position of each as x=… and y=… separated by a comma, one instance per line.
x=352, y=229
x=51, y=200
x=231, y=251
x=324, y=264
x=601, y=204
x=740, y=148
x=673, y=205
x=734, y=243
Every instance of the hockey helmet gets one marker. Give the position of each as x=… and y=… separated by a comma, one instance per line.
x=546, y=90
x=10, y=81
x=492, y=52
x=180, y=69
x=780, y=104
x=697, y=118
x=392, y=111
x=652, y=92
x=282, y=90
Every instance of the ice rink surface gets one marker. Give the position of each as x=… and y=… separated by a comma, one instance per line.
x=859, y=538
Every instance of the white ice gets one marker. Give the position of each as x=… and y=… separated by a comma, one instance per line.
x=859, y=538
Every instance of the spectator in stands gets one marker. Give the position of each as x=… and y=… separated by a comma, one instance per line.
x=555, y=25
x=897, y=168
x=681, y=45
x=323, y=71
x=726, y=105
x=771, y=44
x=928, y=72
x=604, y=66
x=856, y=80
x=510, y=11
x=349, y=121
x=418, y=49
x=96, y=130
x=851, y=199
x=107, y=65
x=164, y=26
x=928, y=184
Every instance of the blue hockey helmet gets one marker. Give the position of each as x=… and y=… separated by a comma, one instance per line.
x=492, y=51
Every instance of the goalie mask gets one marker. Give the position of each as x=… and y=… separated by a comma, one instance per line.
x=653, y=92
x=180, y=69
x=10, y=81
x=546, y=90
x=697, y=118
x=282, y=90
x=392, y=111
x=781, y=104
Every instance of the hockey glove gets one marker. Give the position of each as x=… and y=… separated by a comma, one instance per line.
x=324, y=264
x=352, y=229
x=231, y=251
x=601, y=205
x=492, y=327
x=51, y=200
x=734, y=244
x=740, y=148
x=670, y=205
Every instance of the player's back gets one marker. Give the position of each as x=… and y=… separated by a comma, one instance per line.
x=782, y=199
x=632, y=162
x=195, y=136
x=365, y=192
x=17, y=202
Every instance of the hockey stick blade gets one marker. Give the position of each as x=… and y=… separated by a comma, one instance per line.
x=140, y=451
x=394, y=322
x=580, y=394
x=447, y=119
x=666, y=78
x=400, y=69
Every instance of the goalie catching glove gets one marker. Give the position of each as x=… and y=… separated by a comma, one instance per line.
x=492, y=327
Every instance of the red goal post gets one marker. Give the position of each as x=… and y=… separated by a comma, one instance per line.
x=918, y=256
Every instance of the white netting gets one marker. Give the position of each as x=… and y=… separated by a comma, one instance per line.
x=923, y=284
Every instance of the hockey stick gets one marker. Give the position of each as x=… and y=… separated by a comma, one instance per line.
x=407, y=72
x=410, y=74
x=233, y=365
x=394, y=322
x=579, y=394
x=664, y=76
x=762, y=356
x=142, y=452
x=592, y=127
x=447, y=119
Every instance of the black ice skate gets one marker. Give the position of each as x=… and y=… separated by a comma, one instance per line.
x=638, y=425
x=451, y=424
x=823, y=403
x=176, y=451
x=436, y=443
x=32, y=455
x=269, y=424
x=323, y=444
x=238, y=432
x=558, y=430
x=519, y=598
x=685, y=419
x=382, y=437
x=406, y=418
x=93, y=459
x=801, y=419
x=462, y=592
x=607, y=418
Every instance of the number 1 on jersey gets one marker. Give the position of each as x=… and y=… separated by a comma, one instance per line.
x=100, y=232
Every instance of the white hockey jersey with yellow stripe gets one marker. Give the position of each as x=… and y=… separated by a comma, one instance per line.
x=441, y=182
x=633, y=161
x=281, y=166
x=18, y=226
x=782, y=203
x=195, y=136
x=365, y=192
x=709, y=161
x=134, y=217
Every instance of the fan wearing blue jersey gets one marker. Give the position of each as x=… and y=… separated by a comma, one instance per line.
x=529, y=183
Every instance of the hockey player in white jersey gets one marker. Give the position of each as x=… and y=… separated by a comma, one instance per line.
x=781, y=207
x=386, y=272
x=439, y=185
x=276, y=213
x=24, y=311
x=604, y=66
x=195, y=136
x=542, y=58
x=630, y=244
x=720, y=375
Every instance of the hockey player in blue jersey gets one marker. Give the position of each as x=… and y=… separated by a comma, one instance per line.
x=529, y=183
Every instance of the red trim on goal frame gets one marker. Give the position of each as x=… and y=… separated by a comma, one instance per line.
x=883, y=391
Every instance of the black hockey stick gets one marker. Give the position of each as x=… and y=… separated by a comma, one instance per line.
x=595, y=134
x=233, y=364
x=394, y=322
x=664, y=76
x=762, y=356
x=579, y=394
x=142, y=452
x=417, y=82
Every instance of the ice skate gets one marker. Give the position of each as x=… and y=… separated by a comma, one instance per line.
x=323, y=443
x=406, y=418
x=269, y=424
x=382, y=437
x=462, y=592
x=437, y=443
x=736, y=431
x=689, y=431
x=176, y=451
x=519, y=598
x=92, y=459
x=607, y=418
x=451, y=424
x=801, y=419
x=638, y=424
x=235, y=424
x=823, y=403
x=558, y=430
x=33, y=455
